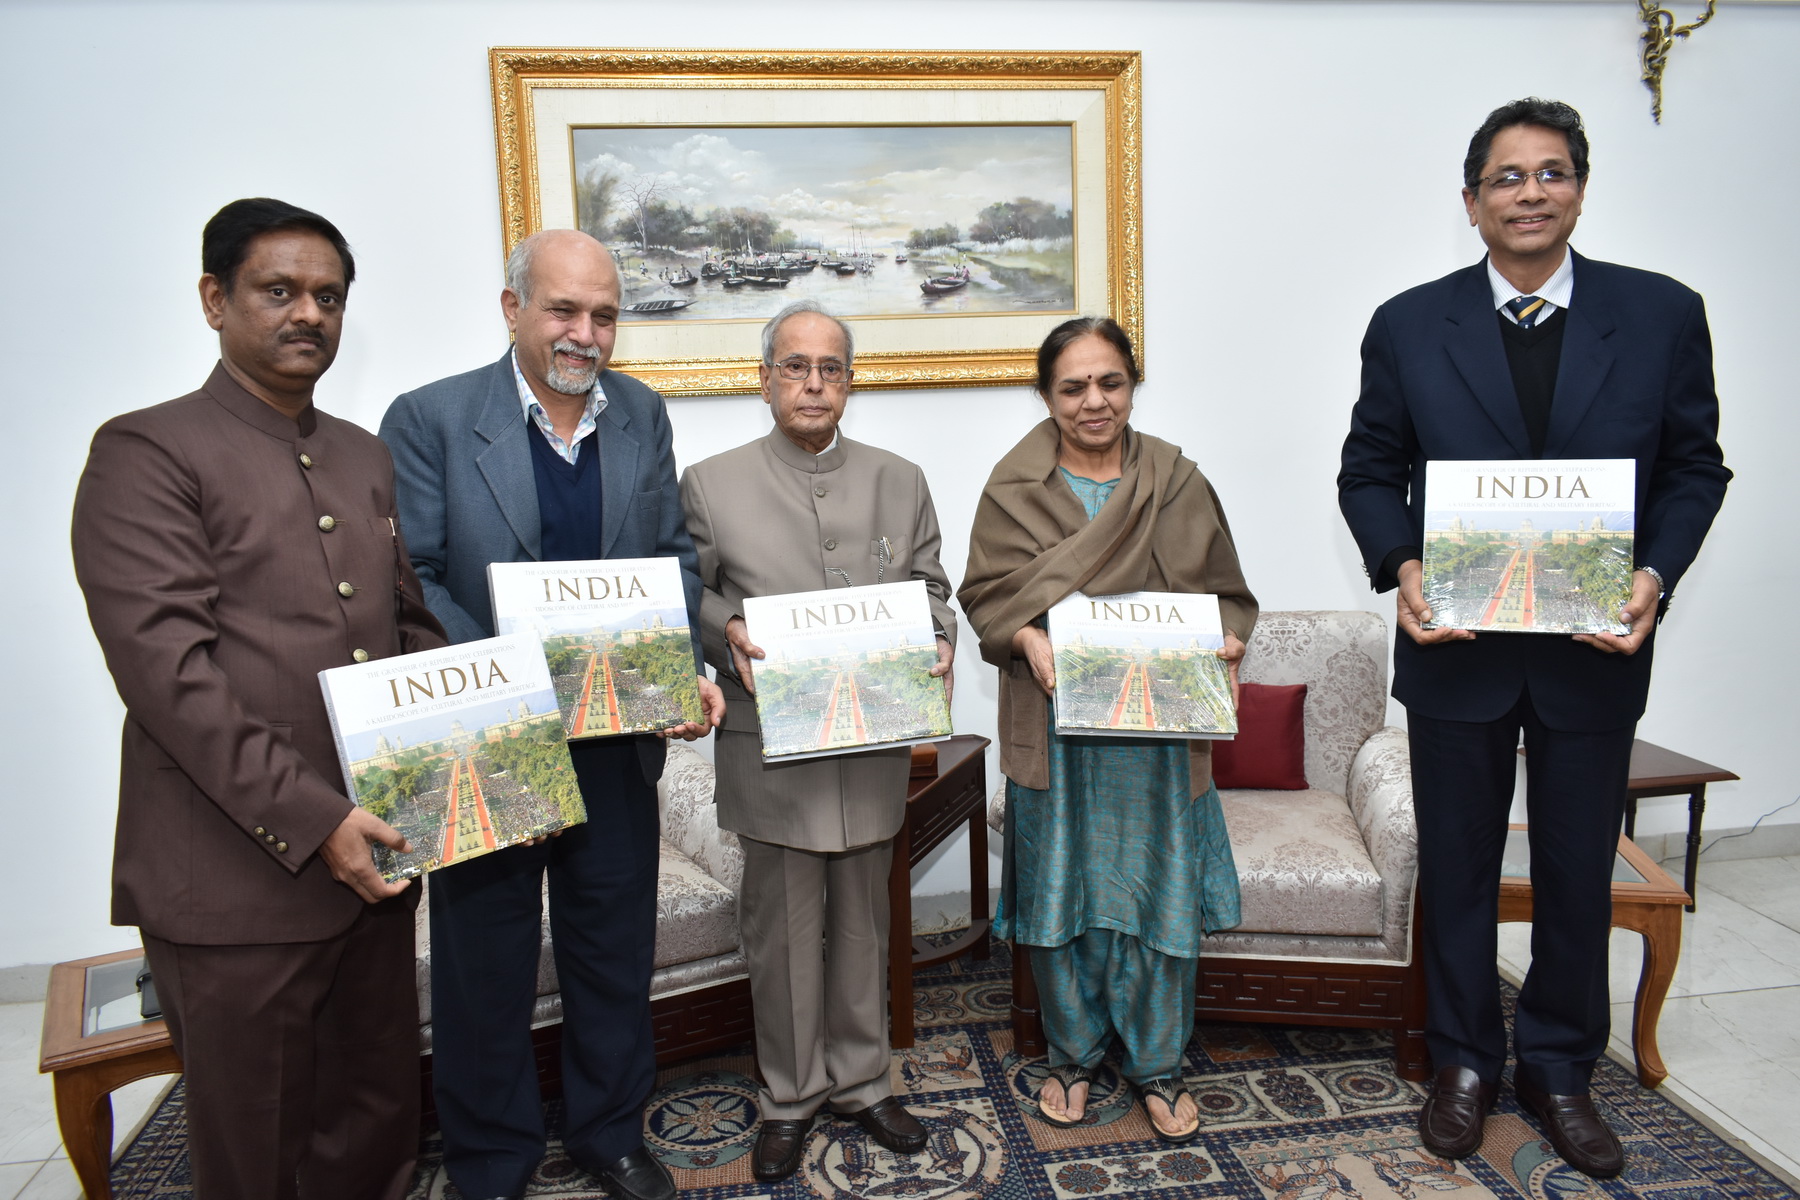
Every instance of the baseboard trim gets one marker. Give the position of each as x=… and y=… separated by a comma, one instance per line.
x=24, y=984
x=940, y=914
x=1717, y=845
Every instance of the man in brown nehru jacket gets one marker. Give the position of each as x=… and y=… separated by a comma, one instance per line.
x=232, y=544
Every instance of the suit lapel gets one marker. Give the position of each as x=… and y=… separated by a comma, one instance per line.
x=506, y=463
x=1587, y=359
x=1473, y=342
x=618, y=467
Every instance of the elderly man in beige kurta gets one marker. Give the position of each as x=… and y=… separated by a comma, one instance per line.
x=802, y=509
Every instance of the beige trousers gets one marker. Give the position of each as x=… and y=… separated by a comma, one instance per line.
x=815, y=928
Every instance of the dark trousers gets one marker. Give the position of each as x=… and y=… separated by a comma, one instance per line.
x=301, y=1060
x=486, y=919
x=1463, y=774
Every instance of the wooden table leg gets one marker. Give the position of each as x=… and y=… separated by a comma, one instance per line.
x=900, y=943
x=1660, y=927
x=84, y=1116
x=1690, y=864
x=978, y=886
x=1027, y=1020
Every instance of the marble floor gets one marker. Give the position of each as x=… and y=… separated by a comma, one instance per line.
x=1729, y=1032
x=1730, y=1029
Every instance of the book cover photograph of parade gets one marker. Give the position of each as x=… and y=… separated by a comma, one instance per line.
x=1162, y=684
x=459, y=785
x=1552, y=572
x=630, y=672
x=850, y=698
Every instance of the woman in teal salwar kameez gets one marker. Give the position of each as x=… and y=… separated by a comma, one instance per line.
x=1117, y=862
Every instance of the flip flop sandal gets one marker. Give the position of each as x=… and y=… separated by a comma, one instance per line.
x=1170, y=1092
x=1067, y=1074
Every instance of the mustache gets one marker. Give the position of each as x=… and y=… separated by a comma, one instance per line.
x=568, y=347
x=302, y=335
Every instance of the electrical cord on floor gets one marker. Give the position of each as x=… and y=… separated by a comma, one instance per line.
x=1740, y=833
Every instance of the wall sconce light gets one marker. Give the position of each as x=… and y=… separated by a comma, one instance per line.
x=1659, y=37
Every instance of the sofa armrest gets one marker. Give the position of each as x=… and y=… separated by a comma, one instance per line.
x=1380, y=798
x=690, y=820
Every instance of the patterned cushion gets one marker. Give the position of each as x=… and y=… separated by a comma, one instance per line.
x=690, y=819
x=1302, y=867
x=696, y=915
x=696, y=918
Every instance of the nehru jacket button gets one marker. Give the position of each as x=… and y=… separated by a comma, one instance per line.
x=328, y=523
x=818, y=491
x=269, y=837
x=359, y=655
x=346, y=591
x=260, y=831
x=831, y=544
x=306, y=461
x=281, y=847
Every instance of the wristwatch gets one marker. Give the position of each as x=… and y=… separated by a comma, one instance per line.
x=1662, y=586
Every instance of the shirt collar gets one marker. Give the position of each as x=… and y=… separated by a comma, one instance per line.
x=829, y=459
x=534, y=412
x=1557, y=291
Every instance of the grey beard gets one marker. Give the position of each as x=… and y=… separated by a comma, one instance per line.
x=570, y=383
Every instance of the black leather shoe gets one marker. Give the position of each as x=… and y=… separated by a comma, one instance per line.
x=891, y=1125
x=640, y=1175
x=778, y=1148
x=1574, y=1128
x=1450, y=1121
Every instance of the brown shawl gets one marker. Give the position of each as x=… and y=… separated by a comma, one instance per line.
x=1162, y=530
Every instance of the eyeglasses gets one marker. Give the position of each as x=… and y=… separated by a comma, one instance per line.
x=830, y=370
x=1548, y=178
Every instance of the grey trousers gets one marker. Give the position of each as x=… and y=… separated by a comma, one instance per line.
x=815, y=928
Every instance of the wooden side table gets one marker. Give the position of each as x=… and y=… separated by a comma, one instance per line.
x=1644, y=899
x=935, y=809
x=1659, y=772
x=94, y=1043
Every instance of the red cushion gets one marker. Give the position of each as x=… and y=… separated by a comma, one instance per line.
x=1270, y=749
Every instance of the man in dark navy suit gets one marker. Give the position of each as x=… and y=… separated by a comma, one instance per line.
x=1536, y=352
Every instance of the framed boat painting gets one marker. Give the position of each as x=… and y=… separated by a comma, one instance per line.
x=953, y=207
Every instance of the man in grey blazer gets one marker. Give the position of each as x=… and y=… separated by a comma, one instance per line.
x=547, y=455
x=802, y=509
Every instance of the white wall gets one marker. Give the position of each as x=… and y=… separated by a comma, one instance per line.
x=1301, y=164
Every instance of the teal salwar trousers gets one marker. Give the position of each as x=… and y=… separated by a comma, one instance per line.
x=1105, y=984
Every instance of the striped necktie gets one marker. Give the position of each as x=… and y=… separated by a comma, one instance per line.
x=1526, y=309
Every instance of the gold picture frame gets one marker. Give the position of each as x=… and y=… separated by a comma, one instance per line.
x=543, y=97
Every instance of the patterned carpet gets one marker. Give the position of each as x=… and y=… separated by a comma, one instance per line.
x=1295, y=1114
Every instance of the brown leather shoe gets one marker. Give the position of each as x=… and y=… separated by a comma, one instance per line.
x=1450, y=1121
x=778, y=1148
x=891, y=1125
x=1574, y=1128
